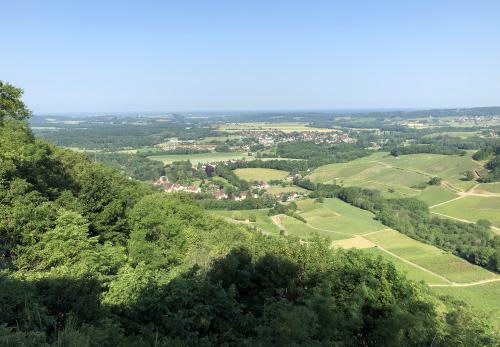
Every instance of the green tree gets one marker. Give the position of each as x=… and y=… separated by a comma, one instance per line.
x=157, y=225
x=468, y=175
x=68, y=249
x=11, y=105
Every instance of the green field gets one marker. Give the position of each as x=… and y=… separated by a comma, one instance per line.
x=260, y=174
x=200, y=157
x=295, y=227
x=482, y=297
x=411, y=272
x=459, y=134
x=396, y=177
x=210, y=139
x=334, y=215
x=433, y=195
x=288, y=189
x=440, y=262
x=489, y=187
x=472, y=208
x=263, y=222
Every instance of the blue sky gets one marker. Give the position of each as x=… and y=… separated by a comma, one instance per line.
x=85, y=56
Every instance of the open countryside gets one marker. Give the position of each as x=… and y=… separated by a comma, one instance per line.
x=256, y=173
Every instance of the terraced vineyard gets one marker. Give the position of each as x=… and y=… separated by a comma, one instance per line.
x=399, y=176
x=472, y=208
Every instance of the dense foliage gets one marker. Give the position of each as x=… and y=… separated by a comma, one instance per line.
x=133, y=165
x=250, y=203
x=434, y=149
x=491, y=152
x=183, y=172
x=116, y=133
x=91, y=258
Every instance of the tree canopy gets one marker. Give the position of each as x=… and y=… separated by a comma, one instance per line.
x=11, y=104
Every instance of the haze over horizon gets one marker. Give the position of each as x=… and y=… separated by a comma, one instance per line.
x=194, y=56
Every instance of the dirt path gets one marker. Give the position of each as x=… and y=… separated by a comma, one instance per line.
x=445, y=202
x=414, y=265
x=458, y=219
x=374, y=232
x=470, y=284
x=449, y=282
x=329, y=231
x=471, y=192
x=451, y=187
x=277, y=221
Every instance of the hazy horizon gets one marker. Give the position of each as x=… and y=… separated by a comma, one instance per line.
x=115, y=56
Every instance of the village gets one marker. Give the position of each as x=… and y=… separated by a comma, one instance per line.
x=219, y=192
x=264, y=138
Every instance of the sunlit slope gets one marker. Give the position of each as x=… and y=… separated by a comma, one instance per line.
x=399, y=176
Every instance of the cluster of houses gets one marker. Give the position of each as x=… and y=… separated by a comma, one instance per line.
x=219, y=193
x=175, y=144
x=176, y=187
x=270, y=137
x=289, y=196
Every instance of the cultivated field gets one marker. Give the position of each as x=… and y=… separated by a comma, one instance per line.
x=260, y=174
x=472, y=208
x=429, y=257
x=200, y=157
x=397, y=177
x=285, y=127
x=411, y=271
x=335, y=216
x=297, y=228
x=433, y=195
x=263, y=222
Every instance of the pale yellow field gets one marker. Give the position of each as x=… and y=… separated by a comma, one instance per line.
x=285, y=127
x=260, y=174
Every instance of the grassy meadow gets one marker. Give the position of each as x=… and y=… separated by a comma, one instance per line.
x=263, y=222
x=260, y=174
x=200, y=157
x=472, y=208
x=334, y=215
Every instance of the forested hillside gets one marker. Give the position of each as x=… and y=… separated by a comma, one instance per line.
x=91, y=258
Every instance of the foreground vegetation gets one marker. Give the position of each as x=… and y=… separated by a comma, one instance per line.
x=91, y=258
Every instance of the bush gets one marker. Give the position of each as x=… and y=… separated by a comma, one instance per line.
x=434, y=181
